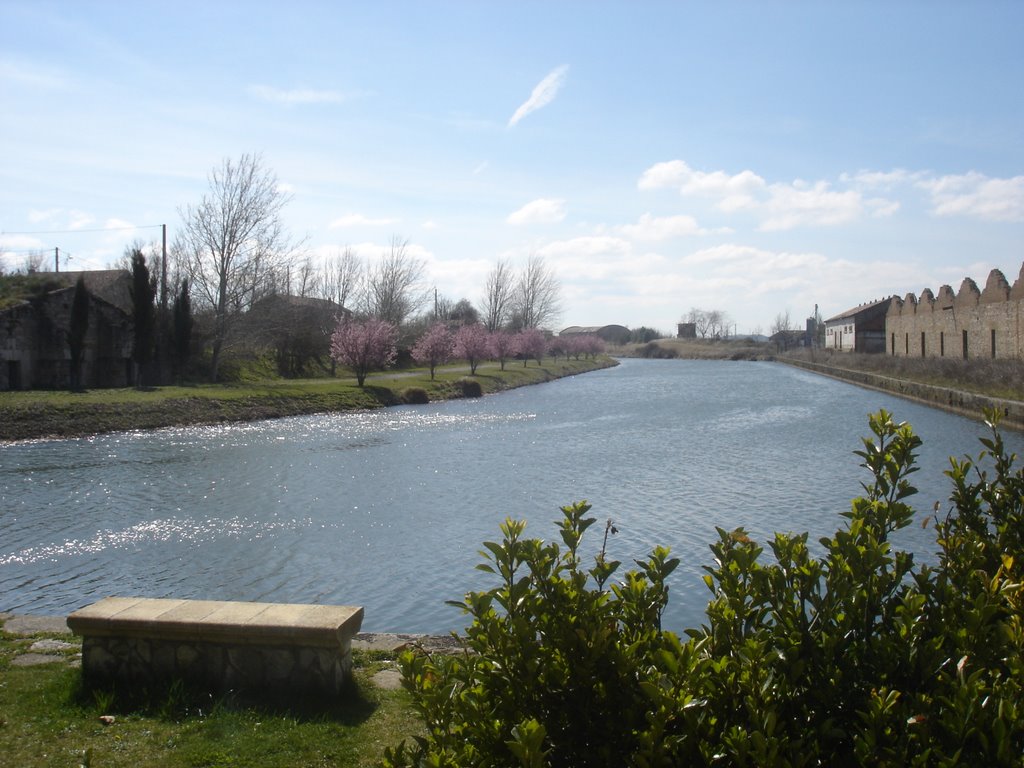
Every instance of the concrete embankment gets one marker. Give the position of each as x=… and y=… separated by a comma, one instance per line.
x=967, y=404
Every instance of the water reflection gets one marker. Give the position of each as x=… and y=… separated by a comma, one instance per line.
x=388, y=509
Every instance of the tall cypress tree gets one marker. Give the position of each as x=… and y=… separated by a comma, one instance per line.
x=143, y=292
x=78, y=326
x=182, y=311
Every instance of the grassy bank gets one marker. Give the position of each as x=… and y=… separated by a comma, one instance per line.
x=39, y=414
x=1001, y=379
x=48, y=719
x=698, y=349
x=992, y=378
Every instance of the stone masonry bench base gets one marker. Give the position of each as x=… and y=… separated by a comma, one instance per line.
x=217, y=645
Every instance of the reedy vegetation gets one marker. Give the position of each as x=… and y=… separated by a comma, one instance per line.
x=857, y=656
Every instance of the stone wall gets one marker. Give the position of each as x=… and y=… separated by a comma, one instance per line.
x=217, y=645
x=141, y=662
x=968, y=324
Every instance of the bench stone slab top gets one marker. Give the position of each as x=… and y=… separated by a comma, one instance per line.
x=217, y=621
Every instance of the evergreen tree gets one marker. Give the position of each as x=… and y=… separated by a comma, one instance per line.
x=143, y=293
x=78, y=326
x=182, y=312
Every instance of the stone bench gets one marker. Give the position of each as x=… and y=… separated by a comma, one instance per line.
x=217, y=645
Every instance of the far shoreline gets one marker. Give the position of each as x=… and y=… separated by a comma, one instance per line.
x=60, y=415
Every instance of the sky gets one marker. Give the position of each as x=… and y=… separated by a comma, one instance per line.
x=752, y=158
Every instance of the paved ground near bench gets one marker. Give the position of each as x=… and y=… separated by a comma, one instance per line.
x=47, y=651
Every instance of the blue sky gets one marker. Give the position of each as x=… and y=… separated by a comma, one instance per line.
x=754, y=158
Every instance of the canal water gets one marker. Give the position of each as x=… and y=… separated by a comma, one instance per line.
x=388, y=509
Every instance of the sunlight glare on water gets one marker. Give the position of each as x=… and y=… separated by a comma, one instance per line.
x=388, y=509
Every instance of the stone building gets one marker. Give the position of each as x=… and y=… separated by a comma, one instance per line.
x=969, y=324
x=861, y=329
x=34, y=351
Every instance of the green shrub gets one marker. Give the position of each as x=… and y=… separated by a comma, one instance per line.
x=415, y=396
x=471, y=388
x=854, y=657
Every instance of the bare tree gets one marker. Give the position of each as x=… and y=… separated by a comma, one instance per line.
x=307, y=278
x=712, y=323
x=232, y=242
x=782, y=322
x=342, y=278
x=34, y=262
x=536, y=300
x=394, y=287
x=498, y=291
x=718, y=323
x=443, y=307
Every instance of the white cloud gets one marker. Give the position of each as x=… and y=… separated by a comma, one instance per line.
x=13, y=243
x=864, y=179
x=660, y=175
x=591, y=258
x=779, y=206
x=295, y=95
x=735, y=191
x=359, y=220
x=543, y=210
x=588, y=246
x=976, y=195
x=656, y=228
x=543, y=94
x=881, y=208
x=480, y=168
x=79, y=220
x=798, y=204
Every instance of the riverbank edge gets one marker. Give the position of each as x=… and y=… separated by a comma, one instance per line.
x=969, y=404
x=33, y=423
x=27, y=625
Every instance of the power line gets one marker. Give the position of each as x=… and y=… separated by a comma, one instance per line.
x=73, y=231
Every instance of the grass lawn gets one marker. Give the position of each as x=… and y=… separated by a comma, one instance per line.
x=36, y=413
x=48, y=719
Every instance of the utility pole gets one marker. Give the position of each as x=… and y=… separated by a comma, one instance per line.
x=163, y=273
x=56, y=259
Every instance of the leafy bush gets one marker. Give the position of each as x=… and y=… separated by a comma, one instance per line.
x=471, y=388
x=854, y=657
x=415, y=396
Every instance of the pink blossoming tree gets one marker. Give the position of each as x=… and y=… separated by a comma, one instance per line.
x=531, y=343
x=434, y=347
x=364, y=346
x=502, y=346
x=472, y=344
x=592, y=346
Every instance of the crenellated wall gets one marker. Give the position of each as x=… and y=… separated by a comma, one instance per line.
x=970, y=323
